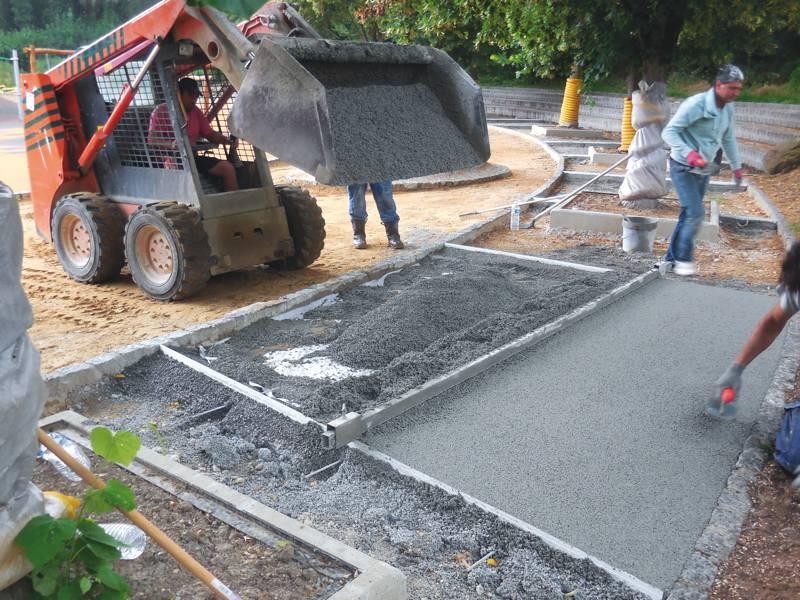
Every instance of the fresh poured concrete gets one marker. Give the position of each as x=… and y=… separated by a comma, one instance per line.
x=598, y=436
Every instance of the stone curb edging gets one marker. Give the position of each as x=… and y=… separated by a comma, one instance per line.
x=60, y=382
x=373, y=579
x=764, y=202
x=720, y=535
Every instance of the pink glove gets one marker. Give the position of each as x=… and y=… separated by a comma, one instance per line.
x=695, y=160
x=737, y=176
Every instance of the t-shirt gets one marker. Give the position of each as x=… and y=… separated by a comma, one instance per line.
x=790, y=301
x=197, y=125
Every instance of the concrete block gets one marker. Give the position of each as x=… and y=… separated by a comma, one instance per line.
x=564, y=132
x=611, y=223
x=599, y=157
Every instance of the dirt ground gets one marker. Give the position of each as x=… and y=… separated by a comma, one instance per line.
x=247, y=566
x=73, y=322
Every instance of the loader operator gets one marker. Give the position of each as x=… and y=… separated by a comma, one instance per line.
x=197, y=126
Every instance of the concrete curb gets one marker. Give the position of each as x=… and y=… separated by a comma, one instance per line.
x=571, y=219
x=719, y=538
x=374, y=580
x=764, y=202
x=60, y=382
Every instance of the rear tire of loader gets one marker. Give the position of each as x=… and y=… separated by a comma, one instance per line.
x=306, y=226
x=87, y=231
x=167, y=251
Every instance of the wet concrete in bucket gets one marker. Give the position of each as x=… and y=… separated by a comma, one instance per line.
x=598, y=435
x=373, y=343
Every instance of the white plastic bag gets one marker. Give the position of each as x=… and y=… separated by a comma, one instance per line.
x=646, y=172
x=13, y=517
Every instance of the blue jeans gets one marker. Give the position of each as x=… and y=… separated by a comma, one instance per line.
x=691, y=188
x=382, y=192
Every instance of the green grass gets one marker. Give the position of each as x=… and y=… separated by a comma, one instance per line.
x=6, y=74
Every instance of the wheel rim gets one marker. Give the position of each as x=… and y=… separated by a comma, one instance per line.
x=76, y=240
x=154, y=254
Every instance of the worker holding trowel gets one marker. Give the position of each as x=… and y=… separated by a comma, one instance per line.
x=723, y=402
x=698, y=132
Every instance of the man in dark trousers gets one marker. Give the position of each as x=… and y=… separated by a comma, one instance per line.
x=387, y=209
x=697, y=133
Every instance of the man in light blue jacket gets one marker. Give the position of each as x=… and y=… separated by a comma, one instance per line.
x=697, y=134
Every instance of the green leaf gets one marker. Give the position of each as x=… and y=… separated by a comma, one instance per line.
x=109, y=578
x=112, y=595
x=120, y=447
x=46, y=580
x=92, y=531
x=98, y=542
x=94, y=501
x=105, y=553
x=71, y=591
x=119, y=494
x=43, y=538
x=85, y=584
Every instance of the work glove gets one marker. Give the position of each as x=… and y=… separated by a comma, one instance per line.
x=732, y=378
x=695, y=160
x=738, y=174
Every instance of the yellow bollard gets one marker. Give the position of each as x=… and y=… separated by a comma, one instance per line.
x=627, y=128
x=570, y=106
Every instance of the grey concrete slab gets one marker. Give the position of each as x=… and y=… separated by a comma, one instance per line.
x=598, y=436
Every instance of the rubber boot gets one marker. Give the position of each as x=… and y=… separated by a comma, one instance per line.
x=359, y=234
x=393, y=236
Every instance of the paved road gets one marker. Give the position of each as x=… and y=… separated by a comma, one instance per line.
x=598, y=435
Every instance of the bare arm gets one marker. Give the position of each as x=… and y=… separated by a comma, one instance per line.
x=763, y=335
x=217, y=138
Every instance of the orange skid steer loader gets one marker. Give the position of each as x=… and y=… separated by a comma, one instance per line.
x=109, y=188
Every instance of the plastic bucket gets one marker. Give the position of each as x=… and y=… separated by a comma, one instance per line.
x=638, y=233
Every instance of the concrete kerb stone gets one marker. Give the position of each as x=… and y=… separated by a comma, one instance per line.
x=570, y=219
x=60, y=382
x=374, y=579
x=565, y=132
x=719, y=538
x=764, y=202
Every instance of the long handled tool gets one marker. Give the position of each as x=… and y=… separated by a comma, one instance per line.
x=578, y=190
x=219, y=589
x=558, y=200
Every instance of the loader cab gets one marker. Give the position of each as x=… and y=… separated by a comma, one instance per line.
x=181, y=227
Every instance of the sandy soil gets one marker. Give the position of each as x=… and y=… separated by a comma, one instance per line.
x=74, y=322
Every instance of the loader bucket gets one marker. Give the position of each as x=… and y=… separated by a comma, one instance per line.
x=349, y=112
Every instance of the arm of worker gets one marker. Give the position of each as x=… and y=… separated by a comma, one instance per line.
x=674, y=133
x=217, y=138
x=767, y=330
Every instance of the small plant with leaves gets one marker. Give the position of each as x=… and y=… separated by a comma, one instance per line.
x=72, y=557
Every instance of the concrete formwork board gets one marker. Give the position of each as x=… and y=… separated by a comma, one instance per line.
x=616, y=179
x=374, y=580
x=604, y=222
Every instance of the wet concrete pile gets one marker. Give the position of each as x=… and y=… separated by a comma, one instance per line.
x=423, y=322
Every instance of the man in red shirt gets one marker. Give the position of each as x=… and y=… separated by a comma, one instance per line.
x=197, y=126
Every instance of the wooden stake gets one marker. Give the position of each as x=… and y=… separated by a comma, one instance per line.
x=219, y=589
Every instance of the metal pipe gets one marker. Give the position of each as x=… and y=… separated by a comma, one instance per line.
x=578, y=190
x=128, y=92
x=15, y=61
x=534, y=200
x=216, y=587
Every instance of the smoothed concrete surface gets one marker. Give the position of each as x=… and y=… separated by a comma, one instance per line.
x=598, y=436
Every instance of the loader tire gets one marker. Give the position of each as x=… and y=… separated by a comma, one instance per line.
x=306, y=226
x=87, y=231
x=167, y=250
